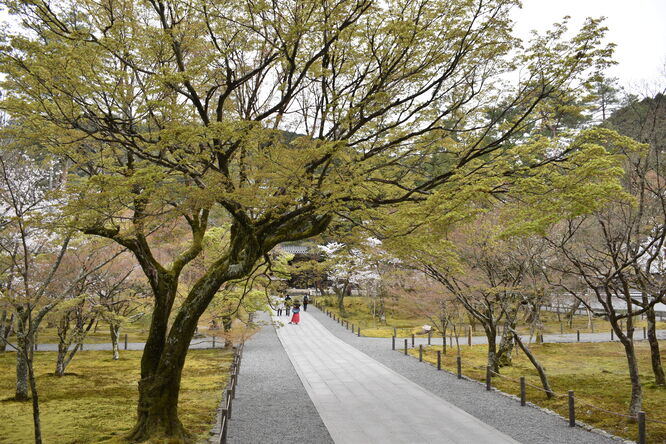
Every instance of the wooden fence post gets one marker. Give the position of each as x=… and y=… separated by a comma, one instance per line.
x=644, y=333
x=420, y=352
x=439, y=360
x=488, y=378
x=393, y=343
x=612, y=333
x=642, y=436
x=225, y=425
x=522, y=390
x=125, y=341
x=572, y=410
x=469, y=336
x=358, y=332
x=429, y=336
x=459, y=367
x=412, y=340
x=213, y=341
x=405, y=347
x=577, y=335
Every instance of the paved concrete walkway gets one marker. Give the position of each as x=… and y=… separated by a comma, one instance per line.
x=362, y=401
x=526, y=425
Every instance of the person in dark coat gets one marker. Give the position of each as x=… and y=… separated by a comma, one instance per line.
x=306, y=301
x=287, y=305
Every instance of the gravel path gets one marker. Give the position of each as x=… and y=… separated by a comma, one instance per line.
x=271, y=404
x=525, y=424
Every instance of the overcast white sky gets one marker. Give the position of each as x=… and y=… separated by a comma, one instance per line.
x=637, y=27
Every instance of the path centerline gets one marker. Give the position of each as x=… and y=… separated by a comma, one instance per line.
x=361, y=400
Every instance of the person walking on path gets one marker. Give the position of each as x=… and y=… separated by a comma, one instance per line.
x=296, y=316
x=287, y=305
x=306, y=301
x=279, y=306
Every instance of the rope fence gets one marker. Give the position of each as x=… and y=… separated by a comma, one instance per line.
x=641, y=418
x=228, y=395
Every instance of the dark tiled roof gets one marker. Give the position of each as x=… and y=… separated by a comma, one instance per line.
x=294, y=249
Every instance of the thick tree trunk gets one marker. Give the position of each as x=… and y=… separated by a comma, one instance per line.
x=115, y=337
x=505, y=352
x=161, y=366
x=537, y=365
x=158, y=405
x=655, y=353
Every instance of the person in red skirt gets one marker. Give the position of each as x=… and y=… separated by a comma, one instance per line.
x=296, y=313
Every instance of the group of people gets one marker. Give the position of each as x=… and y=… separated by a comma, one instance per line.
x=294, y=307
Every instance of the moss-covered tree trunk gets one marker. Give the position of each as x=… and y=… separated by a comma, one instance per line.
x=505, y=352
x=491, y=335
x=164, y=355
x=157, y=410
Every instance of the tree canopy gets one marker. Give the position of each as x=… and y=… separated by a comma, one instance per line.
x=276, y=117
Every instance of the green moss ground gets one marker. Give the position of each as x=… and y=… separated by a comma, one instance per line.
x=596, y=372
x=96, y=401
